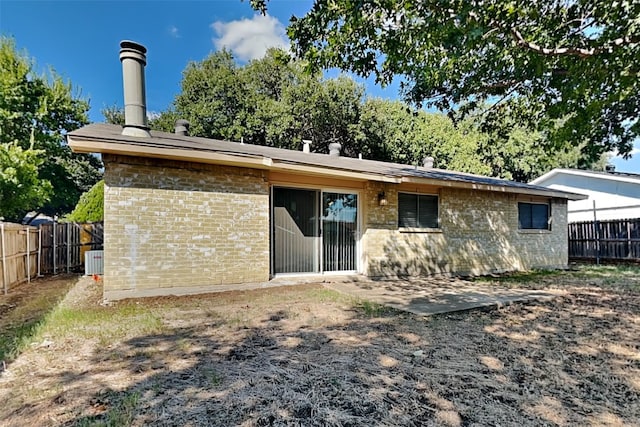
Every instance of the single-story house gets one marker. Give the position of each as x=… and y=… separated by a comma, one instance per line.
x=613, y=195
x=187, y=215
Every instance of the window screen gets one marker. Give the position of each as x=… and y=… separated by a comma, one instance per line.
x=417, y=211
x=533, y=216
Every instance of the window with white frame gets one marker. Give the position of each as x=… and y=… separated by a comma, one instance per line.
x=417, y=210
x=533, y=216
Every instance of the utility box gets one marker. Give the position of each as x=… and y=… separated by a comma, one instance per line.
x=93, y=262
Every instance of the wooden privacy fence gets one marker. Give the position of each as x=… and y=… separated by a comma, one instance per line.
x=63, y=245
x=19, y=254
x=27, y=252
x=605, y=240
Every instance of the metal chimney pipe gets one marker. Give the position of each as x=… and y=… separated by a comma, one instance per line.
x=133, y=58
x=427, y=162
x=306, y=145
x=182, y=127
x=334, y=149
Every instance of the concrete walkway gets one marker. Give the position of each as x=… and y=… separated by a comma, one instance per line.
x=430, y=296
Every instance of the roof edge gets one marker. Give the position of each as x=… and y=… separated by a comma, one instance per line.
x=88, y=144
x=584, y=173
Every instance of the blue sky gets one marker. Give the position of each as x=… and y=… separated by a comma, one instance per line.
x=80, y=40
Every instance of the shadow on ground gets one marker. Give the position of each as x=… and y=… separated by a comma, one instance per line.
x=571, y=361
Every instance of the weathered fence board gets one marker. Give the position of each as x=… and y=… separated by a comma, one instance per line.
x=18, y=254
x=27, y=252
x=605, y=240
x=64, y=245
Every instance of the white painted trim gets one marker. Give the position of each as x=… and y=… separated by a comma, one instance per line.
x=582, y=173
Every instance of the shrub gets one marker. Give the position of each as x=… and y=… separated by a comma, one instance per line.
x=90, y=207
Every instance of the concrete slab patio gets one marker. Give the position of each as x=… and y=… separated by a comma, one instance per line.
x=429, y=296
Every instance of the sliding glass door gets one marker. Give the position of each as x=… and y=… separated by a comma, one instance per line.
x=296, y=231
x=314, y=231
x=339, y=231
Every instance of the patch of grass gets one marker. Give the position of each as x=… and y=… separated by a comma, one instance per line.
x=328, y=295
x=14, y=340
x=106, y=323
x=373, y=309
x=19, y=326
x=607, y=270
x=524, y=277
x=622, y=277
x=121, y=413
x=212, y=376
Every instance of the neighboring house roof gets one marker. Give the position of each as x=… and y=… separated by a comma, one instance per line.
x=108, y=139
x=633, y=178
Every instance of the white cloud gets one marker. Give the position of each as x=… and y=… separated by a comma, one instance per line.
x=250, y=38
x=173, y=32
x=635, y=151
x=152, y=115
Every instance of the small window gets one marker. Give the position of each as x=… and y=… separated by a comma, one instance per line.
x=533, y=216
x=417, y=211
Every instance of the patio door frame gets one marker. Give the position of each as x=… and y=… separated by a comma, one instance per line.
x=321, y=190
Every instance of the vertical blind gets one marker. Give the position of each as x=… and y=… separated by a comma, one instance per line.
x=339, y=231
x=296, y=231
x=314, y=229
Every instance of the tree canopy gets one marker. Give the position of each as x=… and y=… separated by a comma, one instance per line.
x=36, y=111
x=20, y=187
x=569, y=68
x=272, y=101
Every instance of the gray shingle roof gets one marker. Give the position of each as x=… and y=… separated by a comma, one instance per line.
x=112, y=135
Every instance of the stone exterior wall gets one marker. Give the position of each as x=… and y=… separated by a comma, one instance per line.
x=478, y=234
x=180, y=228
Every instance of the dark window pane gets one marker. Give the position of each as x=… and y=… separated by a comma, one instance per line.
x=524, y=215
x=540, y=216
x=428, y=211
x=533, y=216
x=302, y=207
x=407, y=210
x=417, y=211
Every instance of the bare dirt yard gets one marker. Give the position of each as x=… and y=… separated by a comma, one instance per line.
x=306, y=355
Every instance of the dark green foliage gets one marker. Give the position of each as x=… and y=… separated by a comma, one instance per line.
x=36, y=111
x=568, y=68
x=90, y=207
x=20, y=187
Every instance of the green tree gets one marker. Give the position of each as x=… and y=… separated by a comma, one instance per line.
x=90, y=207
x=165, y=121
x=20, y=187
x=394, y=132
x=571, y=68
x=270, y=101
x=213, y=97
x=36, y=111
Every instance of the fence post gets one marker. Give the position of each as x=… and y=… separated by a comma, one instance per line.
x=28, y=234
x=4, y=260
x=39, y=248
x=596, y=233
x=628, y=238
x=68, y=246
x=55, y=248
